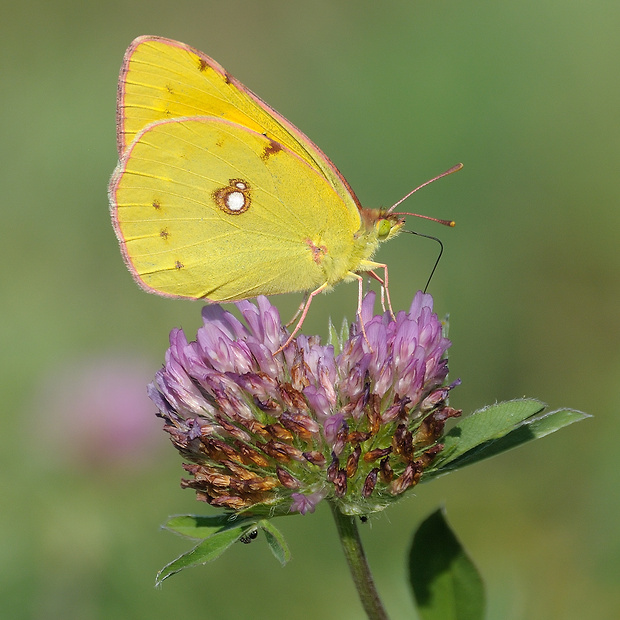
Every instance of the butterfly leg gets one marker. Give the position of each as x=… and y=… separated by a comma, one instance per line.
x=373, y=275
x=383, y=298
x=299, y=310
x=306, y=307
x=384, y=286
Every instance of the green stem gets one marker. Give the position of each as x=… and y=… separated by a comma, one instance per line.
x=360, y=571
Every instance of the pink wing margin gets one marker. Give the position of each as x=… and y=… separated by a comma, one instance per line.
x=308, y=145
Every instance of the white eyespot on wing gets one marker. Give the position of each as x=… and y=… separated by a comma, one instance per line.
x=235, y=201
x=235, y=198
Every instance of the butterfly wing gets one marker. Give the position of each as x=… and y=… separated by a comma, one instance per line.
x=207, y=208
x=163, y=79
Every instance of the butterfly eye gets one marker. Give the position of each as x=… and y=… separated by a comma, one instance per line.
x=383, y=227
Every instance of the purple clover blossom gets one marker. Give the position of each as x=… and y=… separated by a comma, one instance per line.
x=286, y=431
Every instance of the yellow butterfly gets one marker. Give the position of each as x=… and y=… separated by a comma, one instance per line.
x=218, y=197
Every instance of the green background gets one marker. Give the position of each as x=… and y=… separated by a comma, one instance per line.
x=526, y=94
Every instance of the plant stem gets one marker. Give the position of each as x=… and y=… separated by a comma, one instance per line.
x=360, y=571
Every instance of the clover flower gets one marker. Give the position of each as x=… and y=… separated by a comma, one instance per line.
x=279, y=433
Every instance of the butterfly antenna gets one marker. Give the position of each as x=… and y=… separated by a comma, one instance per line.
x=427, y=217
x=430, y=277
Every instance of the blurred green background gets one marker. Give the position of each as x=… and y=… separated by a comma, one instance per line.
x=526, y=94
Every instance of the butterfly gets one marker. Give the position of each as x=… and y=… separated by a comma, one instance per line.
x=218, y=197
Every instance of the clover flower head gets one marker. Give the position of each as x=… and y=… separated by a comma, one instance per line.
x=279, y=432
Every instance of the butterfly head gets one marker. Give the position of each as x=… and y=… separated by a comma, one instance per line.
x=380, y=224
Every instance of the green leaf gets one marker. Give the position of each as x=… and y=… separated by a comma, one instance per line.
x=446, y=585
x=276, y=541
x=218, y=533
x=495, y=429
x=206, y=551
x=486, y=424
x=530, y=429
x=201, y=527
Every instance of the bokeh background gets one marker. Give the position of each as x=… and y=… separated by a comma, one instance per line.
x=525, y=93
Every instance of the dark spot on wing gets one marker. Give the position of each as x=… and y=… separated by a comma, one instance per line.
x=271, y=149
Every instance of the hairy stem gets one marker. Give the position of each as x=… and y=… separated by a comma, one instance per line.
x=360, y=571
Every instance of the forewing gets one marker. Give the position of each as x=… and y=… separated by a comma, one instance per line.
x=163, y=79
